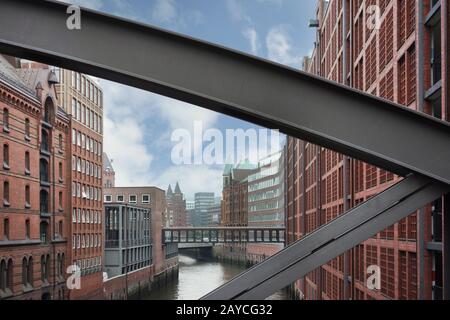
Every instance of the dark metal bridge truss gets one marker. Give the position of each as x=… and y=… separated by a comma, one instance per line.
x=345, y=120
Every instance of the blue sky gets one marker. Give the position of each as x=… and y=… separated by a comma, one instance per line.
x=138, y=124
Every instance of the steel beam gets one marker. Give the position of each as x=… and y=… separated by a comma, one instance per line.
x=305, y=106
x=331, y=240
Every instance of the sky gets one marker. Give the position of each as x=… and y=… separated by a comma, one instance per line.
x=138, y=125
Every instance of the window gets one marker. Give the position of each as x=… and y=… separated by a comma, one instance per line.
x=6, y=228
x=48, y=108
x=6, y=194
x=43, y=232
x=27, y=163
x=27, y=129
x=74, y=136
x=60, y=171
x=145, y=198
x=43, y=167
x=45, y=141
x=27, y=229
x=43, y=201
x=133, y=198
x=27, y=197
x=60, y=142
x=5, y=120
x=6, y=156
x=61, y=230
x=60, y=201
x=436, y=61
x=120, y=198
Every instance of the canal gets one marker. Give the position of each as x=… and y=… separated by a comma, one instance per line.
x=197, y=278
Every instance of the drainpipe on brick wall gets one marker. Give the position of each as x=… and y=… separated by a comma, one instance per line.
x=420, y=107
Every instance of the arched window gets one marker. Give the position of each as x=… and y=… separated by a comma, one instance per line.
x=27, y=129
x=30, y=278
x=60, y=142
x=44, y=233
x=44, y=275
x=6, y=194
x=6, y=156
x=6, y=228
x=24, y=271
x=27, y=162
x=27, y=196
x=9, y=275
x=61, y=230
x=45, y=141
x=27, y=229
x=48, y=110
x=60, y=171
x=3, y=275
x=43, y=170
x=60, y=200
x=5, y=120
x=43, y=195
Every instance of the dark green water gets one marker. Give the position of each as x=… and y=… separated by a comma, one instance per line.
x=197, y=278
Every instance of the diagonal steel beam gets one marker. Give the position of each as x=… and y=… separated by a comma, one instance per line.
x=331, y=240
x=230, y=82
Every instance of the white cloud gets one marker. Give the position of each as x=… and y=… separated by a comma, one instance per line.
x=124, y=143
x=280, y=46
x=164, y=11
x=91, y=4
x=252, y=36
x=237, y=12
x=192, y=179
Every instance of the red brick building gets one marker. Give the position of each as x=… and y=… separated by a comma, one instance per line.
x=397, y=57
x=82, y=98
x=235, y=206
x=176, y=208
x=34, y=182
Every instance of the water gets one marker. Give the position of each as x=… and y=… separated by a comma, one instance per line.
x=197, y=278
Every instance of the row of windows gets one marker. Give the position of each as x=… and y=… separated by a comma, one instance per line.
x=86, y=241
x=88, y=117
x=264, y=184
x=86, y=216
x=82, y=84
x=85, y=142
x=132, y=198
x=86, y=192
x=264, y=206
x=6, y=124
x=44, y=174
x=266, y=217
x=84, y=264
x=86, y=167
x=7, y=268
x=264, y=195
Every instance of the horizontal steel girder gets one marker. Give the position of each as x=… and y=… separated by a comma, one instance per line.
x=331, y=240
x=304, y=106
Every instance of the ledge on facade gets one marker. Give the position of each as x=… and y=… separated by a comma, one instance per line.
x=434, y=92
x=6, y=129
x=6, y=243
x=46, y=124
x=27, y=138
x=45, y=152
x=45, y=183
x=46, y=214
x=434, y=15
x=27, y=288
x=4, y=294
x=434, y=246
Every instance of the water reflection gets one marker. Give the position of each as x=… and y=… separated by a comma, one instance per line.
x=197, y=278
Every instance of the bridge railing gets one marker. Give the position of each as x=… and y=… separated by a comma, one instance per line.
x=224, y=235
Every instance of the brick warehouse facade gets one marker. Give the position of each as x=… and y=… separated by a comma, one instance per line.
x=34, y=184
x=176, y=208
x=82, y=98
x=400, y=60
